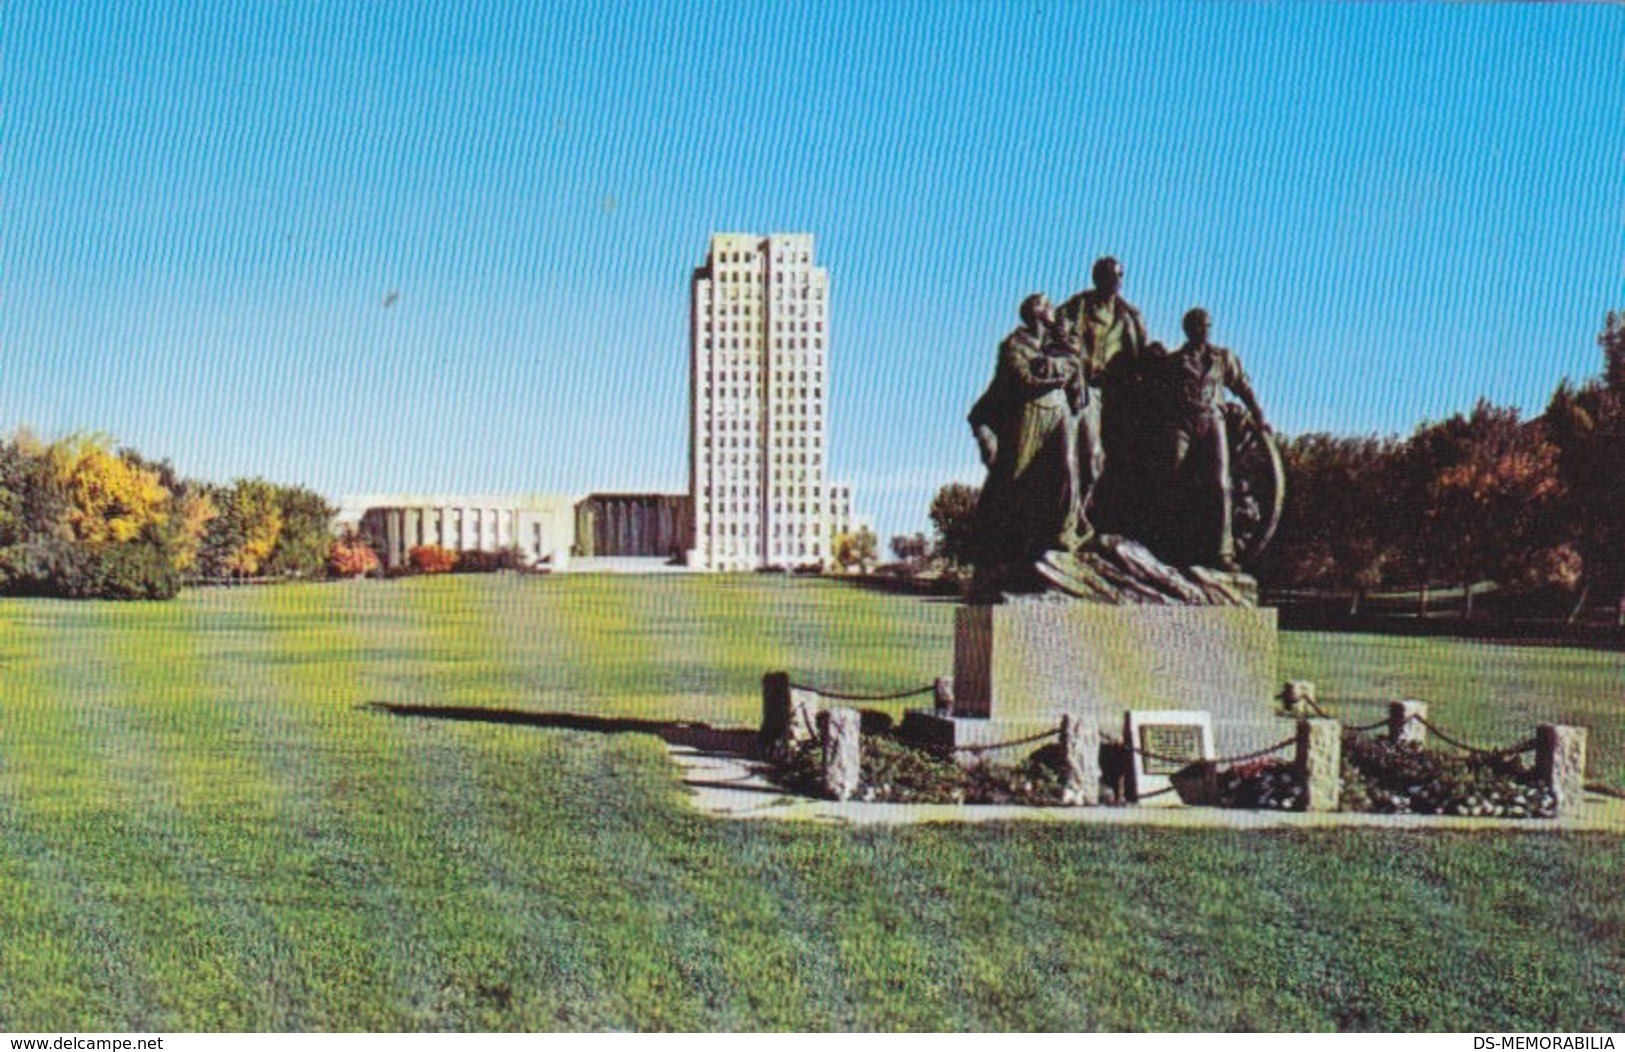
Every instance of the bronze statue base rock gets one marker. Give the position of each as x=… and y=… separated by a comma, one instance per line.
x=1122, y=572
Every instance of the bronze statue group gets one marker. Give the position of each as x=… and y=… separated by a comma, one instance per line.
x=1090, y=429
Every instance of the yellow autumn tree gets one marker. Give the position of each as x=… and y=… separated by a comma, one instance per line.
x=195, y=510
x=110, y=500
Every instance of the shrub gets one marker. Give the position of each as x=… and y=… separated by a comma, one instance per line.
x=137, y=570
x=431, y=558
x=489, y=562
x=352, y=556
x=52, y=566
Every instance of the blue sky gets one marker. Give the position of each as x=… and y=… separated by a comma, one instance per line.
x=1390, y=210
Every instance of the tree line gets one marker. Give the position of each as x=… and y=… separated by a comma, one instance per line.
x=1484, y=496
x=80, y=518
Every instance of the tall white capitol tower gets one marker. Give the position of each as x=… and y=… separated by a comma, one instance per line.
x=758, y=443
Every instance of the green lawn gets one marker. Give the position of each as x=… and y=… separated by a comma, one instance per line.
x=205, y=825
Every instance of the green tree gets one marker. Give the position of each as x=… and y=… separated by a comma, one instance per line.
x=13, y=476
x=306, y=536
x=78, y=520
x=1488, y=489
x=953, y=514
x=42, y=556
x=1612, y=342
x=1587, y=425
x=908, y=548
x=1338, y=528
x=856, y=549
x=141, y=568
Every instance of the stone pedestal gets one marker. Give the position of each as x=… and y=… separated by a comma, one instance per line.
x=1560, y=761
x=1019, y=665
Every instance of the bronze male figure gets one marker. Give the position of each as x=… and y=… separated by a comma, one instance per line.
x=1025, y=425
x=1200, y=446
x=1109, y=337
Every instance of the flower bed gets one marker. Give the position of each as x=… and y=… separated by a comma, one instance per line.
x=894, y=771
x=1386, y=778
x=1262, y=785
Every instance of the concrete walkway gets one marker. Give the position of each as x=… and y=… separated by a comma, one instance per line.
x=728, y=785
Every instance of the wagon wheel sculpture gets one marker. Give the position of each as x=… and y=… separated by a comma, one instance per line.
x=1257, y=482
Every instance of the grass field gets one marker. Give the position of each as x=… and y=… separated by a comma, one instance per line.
x=205, y=825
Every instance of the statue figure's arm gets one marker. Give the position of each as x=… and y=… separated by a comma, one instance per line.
x=987, y=444
x=1137, y=326
x=1236, y=380
x=1033, y=370
x=981, y=425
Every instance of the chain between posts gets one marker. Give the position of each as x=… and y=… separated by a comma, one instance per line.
x=813, y=730
x=1511, y=750
x=1242, y=758
x=1528, y=745
x=900, y=695
x=1277, y=747
x=1322, y=713
x=1030, y=739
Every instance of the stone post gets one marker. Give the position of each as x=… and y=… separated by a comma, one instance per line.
x=1319, y=762
x=775, y=707
x=1298, y=697
x=944, y=694
x=1560, y=761
x=789, y=714
x=842, y=752
x=1405, y=723
x=1080, y=744
x=803, y=718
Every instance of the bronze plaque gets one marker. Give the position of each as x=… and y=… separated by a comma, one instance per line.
x=1167, y=748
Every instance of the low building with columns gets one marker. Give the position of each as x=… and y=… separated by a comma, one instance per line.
x=637, y=525
x=540, y=525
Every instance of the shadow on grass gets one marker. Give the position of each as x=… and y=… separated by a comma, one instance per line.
x=701, y=737
x=928, y=590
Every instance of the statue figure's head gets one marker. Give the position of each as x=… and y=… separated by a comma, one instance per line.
x=1197, y=324
x=1107, y=275
x=1037, y=310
